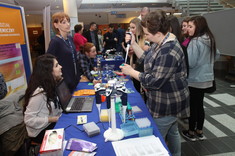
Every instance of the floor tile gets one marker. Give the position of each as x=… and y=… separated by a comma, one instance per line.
x=225, y=120
x=222, y=147
x=230, y=142
x=223, y=154
x=211, y=103
x=188, y=150
x=225, y=98
x=213, y=129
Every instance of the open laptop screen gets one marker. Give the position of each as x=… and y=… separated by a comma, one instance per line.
x=63, y=93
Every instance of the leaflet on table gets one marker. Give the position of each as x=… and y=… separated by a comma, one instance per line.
x=149, y=145
x=80, y=145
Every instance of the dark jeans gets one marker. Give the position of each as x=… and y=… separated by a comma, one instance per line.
x=197, y=113
x=40, y=136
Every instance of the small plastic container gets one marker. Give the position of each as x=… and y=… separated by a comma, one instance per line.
x=144, y=127
x=145, y=131
x=129, y=128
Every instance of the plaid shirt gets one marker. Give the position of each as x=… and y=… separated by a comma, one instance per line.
x=164, y=77
x=86, y=65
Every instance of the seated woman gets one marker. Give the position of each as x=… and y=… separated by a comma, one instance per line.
x=87, y=53
x=42, y=109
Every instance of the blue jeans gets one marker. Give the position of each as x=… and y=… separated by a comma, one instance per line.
x=168, y=127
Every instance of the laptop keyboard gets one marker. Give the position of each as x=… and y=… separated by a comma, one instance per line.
x=78, y=103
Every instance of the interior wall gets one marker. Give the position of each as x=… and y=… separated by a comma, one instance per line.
x=86, y=18
x=34, y=21
x=129, y=16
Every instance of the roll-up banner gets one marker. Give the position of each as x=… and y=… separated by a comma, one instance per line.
x=15, y=59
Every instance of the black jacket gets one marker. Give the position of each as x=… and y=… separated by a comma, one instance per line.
x=87, y=35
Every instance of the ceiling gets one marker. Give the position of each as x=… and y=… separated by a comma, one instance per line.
x=36, y=6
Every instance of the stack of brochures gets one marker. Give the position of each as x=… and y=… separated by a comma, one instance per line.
x=80, y=145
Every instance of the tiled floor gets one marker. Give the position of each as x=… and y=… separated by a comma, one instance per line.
x=219, y=126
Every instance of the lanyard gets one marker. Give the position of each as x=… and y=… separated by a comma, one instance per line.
x=72, y=51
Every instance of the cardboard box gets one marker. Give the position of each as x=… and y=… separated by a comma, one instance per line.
x=52, y=144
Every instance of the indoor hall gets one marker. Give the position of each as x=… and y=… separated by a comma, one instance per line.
x=219, y=107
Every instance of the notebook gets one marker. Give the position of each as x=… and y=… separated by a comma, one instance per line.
x=73, y=104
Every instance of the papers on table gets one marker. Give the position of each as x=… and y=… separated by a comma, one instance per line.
x=143, y=146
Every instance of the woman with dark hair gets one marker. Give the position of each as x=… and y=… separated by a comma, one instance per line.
x=175, y=27
x=164, y=77
x=201, y=54
x=137, y=30
x=78, y=39
x=176, y=30
x=86, y=54
x=42, y=109
x=63, y=48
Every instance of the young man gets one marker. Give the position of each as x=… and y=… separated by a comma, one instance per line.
x=91, y=35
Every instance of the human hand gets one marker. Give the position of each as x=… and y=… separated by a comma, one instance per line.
x=53, y=118
x=96, y=81
x=126, y=69
x=129, y=37
x=131, y=51
x=95, y=68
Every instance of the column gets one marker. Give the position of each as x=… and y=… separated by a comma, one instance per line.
x=70, y=8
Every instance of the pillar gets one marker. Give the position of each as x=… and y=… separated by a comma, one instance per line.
x=70, y=8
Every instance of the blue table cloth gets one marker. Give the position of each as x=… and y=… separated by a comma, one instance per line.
x=104, y=148
x=115, y=62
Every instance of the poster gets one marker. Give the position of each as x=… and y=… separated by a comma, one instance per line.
x=12, y=66
x=11, y=27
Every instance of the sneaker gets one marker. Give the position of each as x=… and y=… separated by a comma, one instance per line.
x=185, y=134
x=200, y=136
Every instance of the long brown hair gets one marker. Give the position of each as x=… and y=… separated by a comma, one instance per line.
x=201, y=28
x=140, y=37
x=42, y=77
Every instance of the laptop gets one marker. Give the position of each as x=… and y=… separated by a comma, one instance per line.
x=73, y=104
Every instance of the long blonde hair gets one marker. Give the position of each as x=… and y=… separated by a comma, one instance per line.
x=140, y=37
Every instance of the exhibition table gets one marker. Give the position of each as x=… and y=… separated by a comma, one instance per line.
x=72, y=130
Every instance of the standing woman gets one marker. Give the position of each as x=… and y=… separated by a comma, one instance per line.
x=164, y=77
x=42, y=109
x=201, y=55
x=185, y=35
x=87, y=53
x=63, y=48
x=78, y=39
x=137, y=30
x=176, y=30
